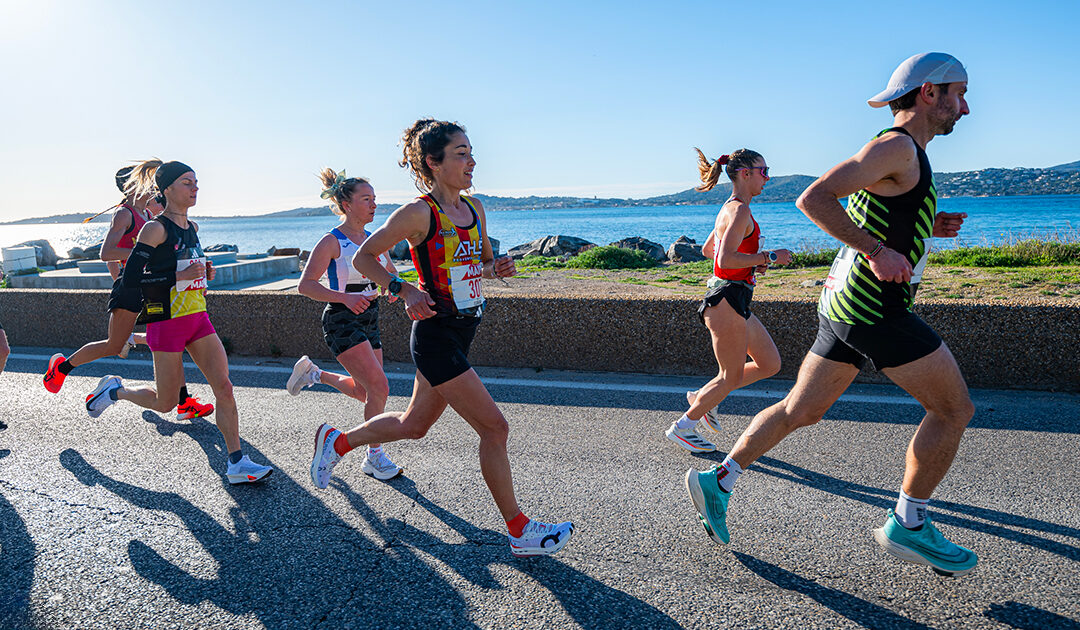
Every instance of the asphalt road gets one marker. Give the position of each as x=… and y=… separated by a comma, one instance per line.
x=127, y=521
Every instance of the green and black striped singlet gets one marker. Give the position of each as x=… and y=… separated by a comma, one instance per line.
x=853, y=294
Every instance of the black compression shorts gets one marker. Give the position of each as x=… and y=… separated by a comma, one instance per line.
x=890, y=343
x=344, y=329
x=440, y=347
x=123, y=297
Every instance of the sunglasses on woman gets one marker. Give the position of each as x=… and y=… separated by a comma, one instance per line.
x=764, y=170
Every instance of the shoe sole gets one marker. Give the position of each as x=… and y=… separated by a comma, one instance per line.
x=320, y=442
x=374, y=472
x=906, y=554
x=544, y=551
x=686, y=445
x=101, y=389
x=52, y=360
x=697, y=497
x=238, y=479
x=293, y=384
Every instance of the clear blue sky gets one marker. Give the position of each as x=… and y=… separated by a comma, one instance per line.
x=578, y=98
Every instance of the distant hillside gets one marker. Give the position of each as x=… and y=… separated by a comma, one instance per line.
x=1063, y=179
x=1071, y=166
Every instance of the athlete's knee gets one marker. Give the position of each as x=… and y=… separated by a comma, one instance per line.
x=957, y=410
x=769, y=365
x=797, y=416
x=223, y=389
x=378, y=391
x=114, y=346
x=5, y=351
x=495, y=430
x=414, y=428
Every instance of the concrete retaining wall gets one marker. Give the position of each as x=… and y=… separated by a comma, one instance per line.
x=997, y=345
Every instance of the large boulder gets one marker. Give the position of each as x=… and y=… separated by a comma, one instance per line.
x=685, y=240
x=654, y=250
x=46, y=256
x=94, y=251
x=551, y=246
x=75, y=253
x=221, y=247
x=400, y=251
x=283, y=251
x=684, y=252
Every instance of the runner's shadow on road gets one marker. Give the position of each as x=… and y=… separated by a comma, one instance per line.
x=287, y=559
x=1024, y=617
x=283, y=557
x=944, y=512
x=854, y=608
x=591, y=603
x=17, y=553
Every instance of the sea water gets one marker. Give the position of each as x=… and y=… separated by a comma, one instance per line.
x=991, y=220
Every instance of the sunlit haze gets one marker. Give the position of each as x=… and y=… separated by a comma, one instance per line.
x=581, y=99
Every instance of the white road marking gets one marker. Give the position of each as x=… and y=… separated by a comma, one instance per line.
x=772, y=394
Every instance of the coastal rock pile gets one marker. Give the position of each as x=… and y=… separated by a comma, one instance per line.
x=556, y=245
x=654, y=250
x=220, y=247
x=684, y=249
x=46, y=256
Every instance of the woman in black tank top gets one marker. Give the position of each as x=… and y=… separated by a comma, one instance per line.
x=175, y=303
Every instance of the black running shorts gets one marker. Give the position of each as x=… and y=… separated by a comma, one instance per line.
x=123, y=297
x=343, y=329
x=737, y=294
x=440, y=347
x=891, y=343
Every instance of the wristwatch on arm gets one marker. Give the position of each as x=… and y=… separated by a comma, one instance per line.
x=395, y=286
x=770, y=256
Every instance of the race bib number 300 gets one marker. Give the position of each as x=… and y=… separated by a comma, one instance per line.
x=465, y=285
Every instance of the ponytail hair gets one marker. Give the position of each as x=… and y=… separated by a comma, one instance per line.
x=426, y=137
x=338, y=188
x=710, y=173
x=141, y=181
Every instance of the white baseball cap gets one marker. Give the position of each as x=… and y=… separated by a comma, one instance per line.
x=934, y=67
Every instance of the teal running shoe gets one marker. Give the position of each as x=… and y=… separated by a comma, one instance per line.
x=710, y=502
x=925, y=546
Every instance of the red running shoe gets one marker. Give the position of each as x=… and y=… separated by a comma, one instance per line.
x=192, y=408
x=54, y=378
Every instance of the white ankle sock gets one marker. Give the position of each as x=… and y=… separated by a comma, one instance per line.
x=685, y=423
x=374, y=450
x=728, y=474
x=911, y=512
x=316, y=375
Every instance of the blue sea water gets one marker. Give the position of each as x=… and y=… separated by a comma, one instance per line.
x=990, y=220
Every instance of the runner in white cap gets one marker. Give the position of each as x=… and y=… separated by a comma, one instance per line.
x=865, y=312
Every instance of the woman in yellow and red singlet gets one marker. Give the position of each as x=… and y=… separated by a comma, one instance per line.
x=447, y=235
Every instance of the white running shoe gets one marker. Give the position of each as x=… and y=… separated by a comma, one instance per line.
x=689, y=439
x=711, y=419
x=301, y=376
x=100, y=399
x=246, y=471
x=541, y=539
x=380, y=466
x=322, y=464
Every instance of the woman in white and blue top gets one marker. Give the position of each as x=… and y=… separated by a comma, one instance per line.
x=350, y=320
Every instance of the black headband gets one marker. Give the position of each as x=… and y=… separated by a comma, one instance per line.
x=169, y=172
x=122, y=177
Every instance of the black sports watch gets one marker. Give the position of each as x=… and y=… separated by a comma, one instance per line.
x=394, y=286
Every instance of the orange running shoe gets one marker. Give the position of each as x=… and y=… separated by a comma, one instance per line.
x=192, y=409
x=54, y=378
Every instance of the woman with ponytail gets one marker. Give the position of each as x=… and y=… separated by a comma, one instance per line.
x=168, y=264
x=736, y=332
x=350, y=320
x=131, y=214
x=447, y=234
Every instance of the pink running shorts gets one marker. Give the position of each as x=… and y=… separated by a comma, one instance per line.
x=173, y=335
